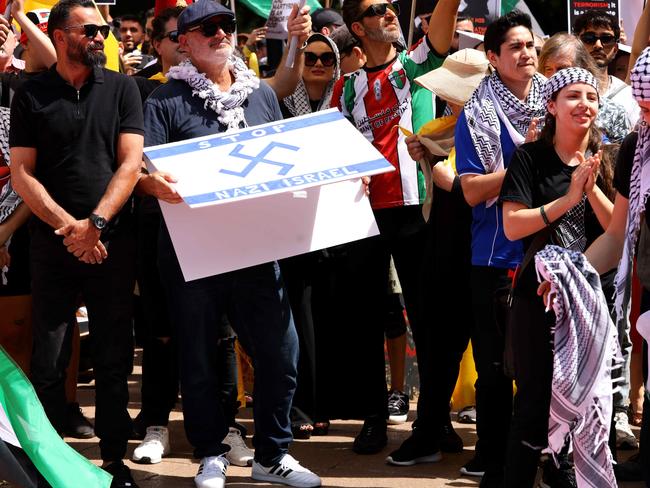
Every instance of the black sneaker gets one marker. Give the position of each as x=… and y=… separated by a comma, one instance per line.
x=450, y=441
x=372, y=437
x=473, y=467
x=398, y=407
x=554, y=477
x=121, y=475
x=413, y=452
x=630, y=470
x=76, y=425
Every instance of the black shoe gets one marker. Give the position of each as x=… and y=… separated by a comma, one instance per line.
x=554, y=477
x=413, y=451
x=121, y=475
x=473, y=467
x=450, y=441
x=398, y=407
x=76, y=425
x=630, y=470
x=372, y=437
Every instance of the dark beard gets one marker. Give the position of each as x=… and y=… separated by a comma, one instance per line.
x=86, y=56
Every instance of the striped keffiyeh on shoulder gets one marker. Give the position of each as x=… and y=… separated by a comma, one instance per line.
x=586, y=346
x=493, y=101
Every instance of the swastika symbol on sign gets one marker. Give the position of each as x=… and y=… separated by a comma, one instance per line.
x=260, y=158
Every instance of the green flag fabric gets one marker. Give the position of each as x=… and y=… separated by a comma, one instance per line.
x=508, y=6
x=263, y=7
x=60, y=464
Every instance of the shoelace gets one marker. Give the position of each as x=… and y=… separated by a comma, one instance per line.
x=234, y=438
x=395, y=401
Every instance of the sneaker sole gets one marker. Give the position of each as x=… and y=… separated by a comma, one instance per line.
x=432, y=458
x=467, y=472
x=146, y=460
x=278, y=479
x=397, y=419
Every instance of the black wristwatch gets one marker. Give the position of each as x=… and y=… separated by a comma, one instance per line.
x=98, y=222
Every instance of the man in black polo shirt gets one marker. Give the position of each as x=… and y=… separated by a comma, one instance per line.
x=76, y=147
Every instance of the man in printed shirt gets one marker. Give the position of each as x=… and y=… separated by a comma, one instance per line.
x=376, y=98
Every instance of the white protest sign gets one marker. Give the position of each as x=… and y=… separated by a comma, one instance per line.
x=287, y=155
x=220, y=238
x=276, y=24
x=267, y=192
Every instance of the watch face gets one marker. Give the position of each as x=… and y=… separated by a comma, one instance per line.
x=99, y=222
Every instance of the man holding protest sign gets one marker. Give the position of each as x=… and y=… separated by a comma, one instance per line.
x=214, y=92
x=377, y=98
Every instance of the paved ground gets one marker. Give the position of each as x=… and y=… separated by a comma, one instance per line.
x=331, y=456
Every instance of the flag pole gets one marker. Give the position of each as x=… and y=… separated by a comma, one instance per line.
x=411, y=25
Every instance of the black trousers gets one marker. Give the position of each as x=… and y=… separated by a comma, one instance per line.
x=493, y=387
x=58, y=279
x=532, y=341
x=160, y=382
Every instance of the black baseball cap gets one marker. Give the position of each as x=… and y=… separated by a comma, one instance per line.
x=324, y=17
x=198, y=12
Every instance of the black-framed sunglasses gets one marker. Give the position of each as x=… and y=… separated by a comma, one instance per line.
x=90, y=30
x=171, y=35
x=210, y=28
x=326, y=59
x=380, y=9
x=605, y=39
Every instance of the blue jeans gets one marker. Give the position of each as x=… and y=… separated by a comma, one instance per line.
x=256, y=304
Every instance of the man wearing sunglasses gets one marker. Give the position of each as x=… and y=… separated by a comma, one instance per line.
x=600, y=33
x=253, y=298
x=375, y=99
x=76, y=159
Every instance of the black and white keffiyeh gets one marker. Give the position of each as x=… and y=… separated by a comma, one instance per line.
x=227, y=105
x=298, y=102
x=493, y=101
x=566, y=77
x=639, y=190
x=9, y=199
x=586, y=349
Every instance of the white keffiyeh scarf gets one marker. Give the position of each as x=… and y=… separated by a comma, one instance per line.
x=639, y=190
x=9, y=199
x=228, y=104
x=586, y=349
x=493, y=101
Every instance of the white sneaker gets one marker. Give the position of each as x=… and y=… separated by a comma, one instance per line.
x=288, y=472
x=625, y=438
x=239, y=454
x=212, y=472
x=153, y=447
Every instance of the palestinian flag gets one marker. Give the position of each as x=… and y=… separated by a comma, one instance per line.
x=25, y=430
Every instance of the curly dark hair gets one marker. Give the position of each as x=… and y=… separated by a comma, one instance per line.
x=496, y=32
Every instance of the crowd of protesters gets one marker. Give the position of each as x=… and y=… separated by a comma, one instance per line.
x=502, y=149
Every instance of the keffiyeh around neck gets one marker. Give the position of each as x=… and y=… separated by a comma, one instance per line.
x=228, y=104
x=492, y=102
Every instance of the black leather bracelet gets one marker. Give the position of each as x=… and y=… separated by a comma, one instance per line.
x=544, y=216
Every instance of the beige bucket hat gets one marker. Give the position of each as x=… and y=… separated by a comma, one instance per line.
x=458, y=77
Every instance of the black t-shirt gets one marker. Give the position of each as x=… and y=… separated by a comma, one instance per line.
x=624, y=162
x=537, y=176
x=75, y=133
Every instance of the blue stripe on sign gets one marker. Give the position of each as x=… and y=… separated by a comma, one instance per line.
x=288, y=182
x=254, y=132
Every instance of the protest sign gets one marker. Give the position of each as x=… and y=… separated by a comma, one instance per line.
x=578, y=7
x=276, y=24
x=287, y=155
x=267, y=192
